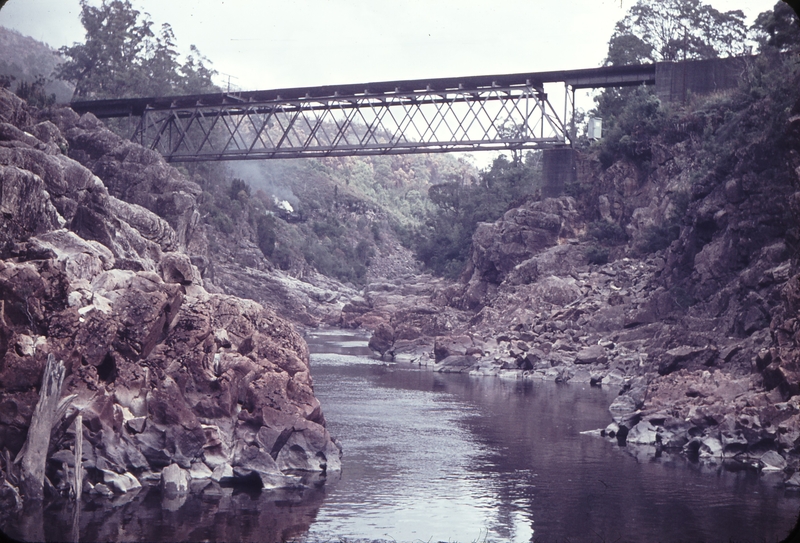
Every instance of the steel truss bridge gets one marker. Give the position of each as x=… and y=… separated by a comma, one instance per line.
x=503, y=112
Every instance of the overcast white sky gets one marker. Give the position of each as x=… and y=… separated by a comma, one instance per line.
x=266, y=44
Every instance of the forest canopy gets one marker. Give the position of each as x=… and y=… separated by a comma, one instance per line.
x=124, y=56
x=674, y=30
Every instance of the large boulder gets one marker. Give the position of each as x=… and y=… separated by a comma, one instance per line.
x=382, y=339
x=497, y=248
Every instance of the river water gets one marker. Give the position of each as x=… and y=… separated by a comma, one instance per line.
x=431, y=457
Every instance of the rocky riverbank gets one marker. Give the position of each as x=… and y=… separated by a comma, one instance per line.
x=173, y=381
x=678, y=288
x=687, y=381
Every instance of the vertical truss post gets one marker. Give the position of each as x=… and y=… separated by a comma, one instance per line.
x=569, y=111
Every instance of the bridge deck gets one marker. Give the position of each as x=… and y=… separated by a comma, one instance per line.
x=609, y=76
x=494, y=112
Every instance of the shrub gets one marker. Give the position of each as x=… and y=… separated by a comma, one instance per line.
x=658, y=237
x=265, y=233
x=607, y=233
x=596, y=255
x=364, y=252
x=443, y=242
x=630, y=131
x=238, y=186
x=282, y=257
x=223, y=223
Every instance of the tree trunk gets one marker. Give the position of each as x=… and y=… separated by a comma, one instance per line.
x=38, y=440
x=78, y=458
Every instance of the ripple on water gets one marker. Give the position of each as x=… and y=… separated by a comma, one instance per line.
x=453, y=458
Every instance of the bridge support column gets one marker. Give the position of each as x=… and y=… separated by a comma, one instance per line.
x=558, y=170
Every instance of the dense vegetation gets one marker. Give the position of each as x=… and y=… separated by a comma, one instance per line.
x=664, y=31
x=674, y=30
x=444, y=241
x=632, y=117
x=335, y=215
x=26, y=68
x=739, y=132
x=124, y=56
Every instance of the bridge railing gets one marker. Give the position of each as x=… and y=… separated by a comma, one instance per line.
x=508, y=117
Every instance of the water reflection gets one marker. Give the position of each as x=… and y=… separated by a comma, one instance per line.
x=210, y=512
x=454, y=458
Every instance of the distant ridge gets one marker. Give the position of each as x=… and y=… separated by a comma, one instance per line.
x=25, y=59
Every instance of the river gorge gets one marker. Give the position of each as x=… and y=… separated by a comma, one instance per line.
x=219, y=374
x=452, y=457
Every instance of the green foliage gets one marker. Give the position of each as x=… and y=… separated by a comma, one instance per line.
x=34, y=92
x=747, y=129
x=443, y=243
x=607, y=233
x=223, y=223
x=631, y=129
x=596, y=255
x=219, y=211
x=124, y=57
x=364, y=252
x=672, y=30
x=282, y=257
x=265, y=232
x=239, y=190
x=669, y=30
x=335, y=257
x=344, y=209
x=328, y=227
x=604, y=234
x=778, y=29
x=658, y=237
x=26, y=59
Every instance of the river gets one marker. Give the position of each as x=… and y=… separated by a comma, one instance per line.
x=431, y=457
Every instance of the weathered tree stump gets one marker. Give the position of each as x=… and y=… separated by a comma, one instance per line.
x=38, y=440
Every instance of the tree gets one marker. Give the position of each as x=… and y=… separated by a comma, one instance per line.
x=123, y=57
x=673, y=30
x=668, y=30
x=444, y=241
x=196, y=74
x=778, y=29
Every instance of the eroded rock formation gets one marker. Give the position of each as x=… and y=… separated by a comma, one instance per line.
x=95, y=271
x=694, y=316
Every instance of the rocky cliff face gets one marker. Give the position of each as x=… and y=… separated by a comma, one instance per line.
x=94, y=238
x=694, y=316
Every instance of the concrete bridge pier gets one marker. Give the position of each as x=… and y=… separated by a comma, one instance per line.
x=558, y=170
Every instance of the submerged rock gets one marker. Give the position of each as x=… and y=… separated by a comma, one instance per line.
x=175, y=480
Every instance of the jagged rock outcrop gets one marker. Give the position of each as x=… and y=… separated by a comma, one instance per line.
x=165, y=372
x=505, y=249
x=694, y=316
x=135, y=175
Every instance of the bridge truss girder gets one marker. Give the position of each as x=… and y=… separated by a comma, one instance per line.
x=511, y=117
